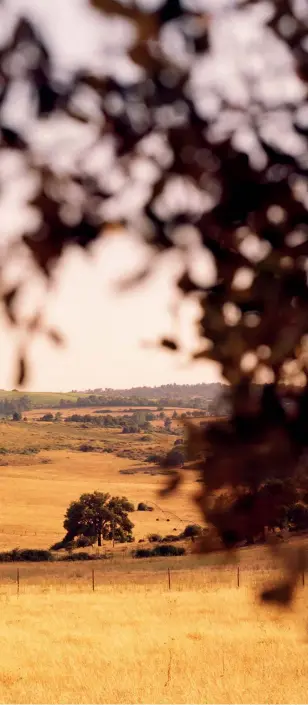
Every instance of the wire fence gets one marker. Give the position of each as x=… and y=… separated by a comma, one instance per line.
x=24, y=579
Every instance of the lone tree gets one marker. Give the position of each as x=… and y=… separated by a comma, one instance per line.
x=99, y=516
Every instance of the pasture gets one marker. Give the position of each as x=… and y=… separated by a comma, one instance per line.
x=140, y=642
x=42, y=471
x=132, y=639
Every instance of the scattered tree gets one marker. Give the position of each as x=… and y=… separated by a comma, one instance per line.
x=47, y=417
x=97, y=515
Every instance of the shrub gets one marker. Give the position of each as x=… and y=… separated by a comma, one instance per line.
x=160, y=550
x=34, y=554
x=154, y=538
x=143, y=507
x=47, y=417
x=168, y=550
x=143, y=553
x=86, y=448
x=29, y=451
x=192, y=530
x=26, y=554
x=82, y=556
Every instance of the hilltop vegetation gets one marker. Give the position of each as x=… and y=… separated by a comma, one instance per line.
x=200, y=396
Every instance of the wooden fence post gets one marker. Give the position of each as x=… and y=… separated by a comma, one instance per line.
x=93, y=580
x=169, y=579
x=17, y=579
x=238, y=576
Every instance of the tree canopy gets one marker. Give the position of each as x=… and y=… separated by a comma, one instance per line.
x=99, y=516
x=200, y=124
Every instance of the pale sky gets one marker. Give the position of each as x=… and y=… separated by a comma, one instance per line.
x=106, y=331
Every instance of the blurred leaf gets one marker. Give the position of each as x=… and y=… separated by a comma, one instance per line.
x=12, y=139
x=173, y=482
x=8, y=300
x=169, y=344
x=281, y=595
x=21, y=371
x=55, y=336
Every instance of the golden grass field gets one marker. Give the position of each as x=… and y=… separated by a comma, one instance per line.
x=34, y=494
x=146, y=644
x=132, y=639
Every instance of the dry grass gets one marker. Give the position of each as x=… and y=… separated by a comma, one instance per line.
x=215, y=645
x=33, y=498
x=132, y=640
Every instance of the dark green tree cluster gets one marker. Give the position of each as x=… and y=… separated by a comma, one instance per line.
x=9, y=406
x=100, y=517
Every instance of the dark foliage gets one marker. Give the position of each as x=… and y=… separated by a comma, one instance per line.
x=100, y=517
x=81, y=556
x=143, y=507
x=33, y=555
x=160, y=550
x=154, y=538
x=175, y=458
x=297, y=517
x=143, y=553
x=192, y=530
x=166, y=549
x=87, y=448
x=9, y=406
x=84, y=541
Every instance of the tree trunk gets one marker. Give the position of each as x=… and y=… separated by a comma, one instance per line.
x=99, y=539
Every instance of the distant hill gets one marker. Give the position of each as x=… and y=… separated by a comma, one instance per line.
x=165, y=390
x=197, y=396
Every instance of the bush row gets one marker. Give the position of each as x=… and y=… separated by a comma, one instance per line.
x=161, y=550
x=35, y=555
x=40, y=555
x=25, y=554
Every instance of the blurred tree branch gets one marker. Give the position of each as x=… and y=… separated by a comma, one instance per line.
x=207, y=141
